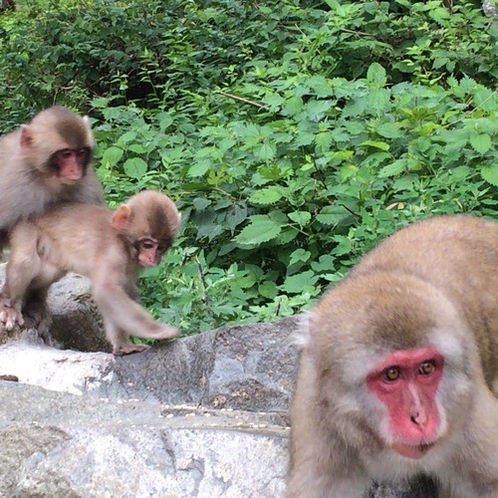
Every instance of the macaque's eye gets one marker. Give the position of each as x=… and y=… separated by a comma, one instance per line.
x=391, y=374
x=426, y=368
x=82, y=153
x=148, y=244
x=65, y=153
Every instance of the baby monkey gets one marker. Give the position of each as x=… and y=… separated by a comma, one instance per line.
x=109, y=247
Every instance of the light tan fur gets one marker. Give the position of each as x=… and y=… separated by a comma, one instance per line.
x=27, y=186
x=81, y=238
x=432, y=284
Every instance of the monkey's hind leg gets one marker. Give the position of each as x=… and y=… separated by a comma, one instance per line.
x=36, y=313
x=10, y=316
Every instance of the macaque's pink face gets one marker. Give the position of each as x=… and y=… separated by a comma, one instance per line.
x=406, y=382
x=150, y=252
x=71, y=164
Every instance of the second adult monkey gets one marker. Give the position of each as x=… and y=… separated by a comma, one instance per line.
x=44, y=162
x=398, y=373
x=109, y=247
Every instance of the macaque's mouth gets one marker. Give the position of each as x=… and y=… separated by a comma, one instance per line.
x=411, y=451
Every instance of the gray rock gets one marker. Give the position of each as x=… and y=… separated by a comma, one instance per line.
x=202, y=416
x=61, y=445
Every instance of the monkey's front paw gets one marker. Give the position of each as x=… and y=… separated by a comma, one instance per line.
x=10, y=317
x=166, y=332
x=123, y=349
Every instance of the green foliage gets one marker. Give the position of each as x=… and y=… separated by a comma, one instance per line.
x=292, y=135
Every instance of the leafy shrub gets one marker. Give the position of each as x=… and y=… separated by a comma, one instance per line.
x=292, y=135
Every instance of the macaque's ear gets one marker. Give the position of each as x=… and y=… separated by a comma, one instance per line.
x=121, y=217
x=26, y=136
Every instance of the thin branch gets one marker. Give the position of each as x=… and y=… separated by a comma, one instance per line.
x=242, y=99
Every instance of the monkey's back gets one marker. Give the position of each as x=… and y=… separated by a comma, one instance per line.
x=83, y=230
x=459, y=256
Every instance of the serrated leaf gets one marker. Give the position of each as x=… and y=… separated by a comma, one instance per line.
x=304, y=138
x=355, y=107
x=389, y=130
x=201, y=203
x=323, y=140
x=490, y=174
x=295, y=284
x=268, y=289
x=395, y=168
x=261, y=229
x=379, y=100
x=127, y=137
x=316, y=109
x=301, y=217
x=266, y=152
x=376, y=75
x=481, y=143
x=236, y=215
x=266, y=196
x=137, y=148
x=135, y=167
x=287, y=234
x=112, y=155
x=331, y=215
x=299, y=255
x=375, y=144
x=200, y=168
x=325, y=263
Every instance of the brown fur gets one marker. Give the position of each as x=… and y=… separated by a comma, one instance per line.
x=432, y=284
x=27, y=184
x=81, y=238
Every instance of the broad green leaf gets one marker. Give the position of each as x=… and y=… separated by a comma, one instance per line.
x=200, y=168
x=378, y=99
x=266, y=196
x=127, y=137
x=135, y=167
x=323, y=140
x=261, y=229
x=481, y=142
x=490, y=174
x=331, y=215
x=201, y=203
x=295, y=284
x=273, y=100
x=300, y=217
x=304, y=138
x=316, y=109
x=112, y=155
x=339, y=134
x=268, y=289
x=137, y=148
x=287, y=234
x=299, y=255
x=389, y=130
x=375, y=144
x=395, y=168
x=321, y=86
x=165, y=120
x=236, y=215
x=325, y=263
x=266, y=152
x=355, y=107
x=376, y=75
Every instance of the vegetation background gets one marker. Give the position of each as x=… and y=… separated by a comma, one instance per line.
x=292, y=135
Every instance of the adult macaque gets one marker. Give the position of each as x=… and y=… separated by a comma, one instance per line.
x=45, y=162
x=399, y=370
x=109, y=247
